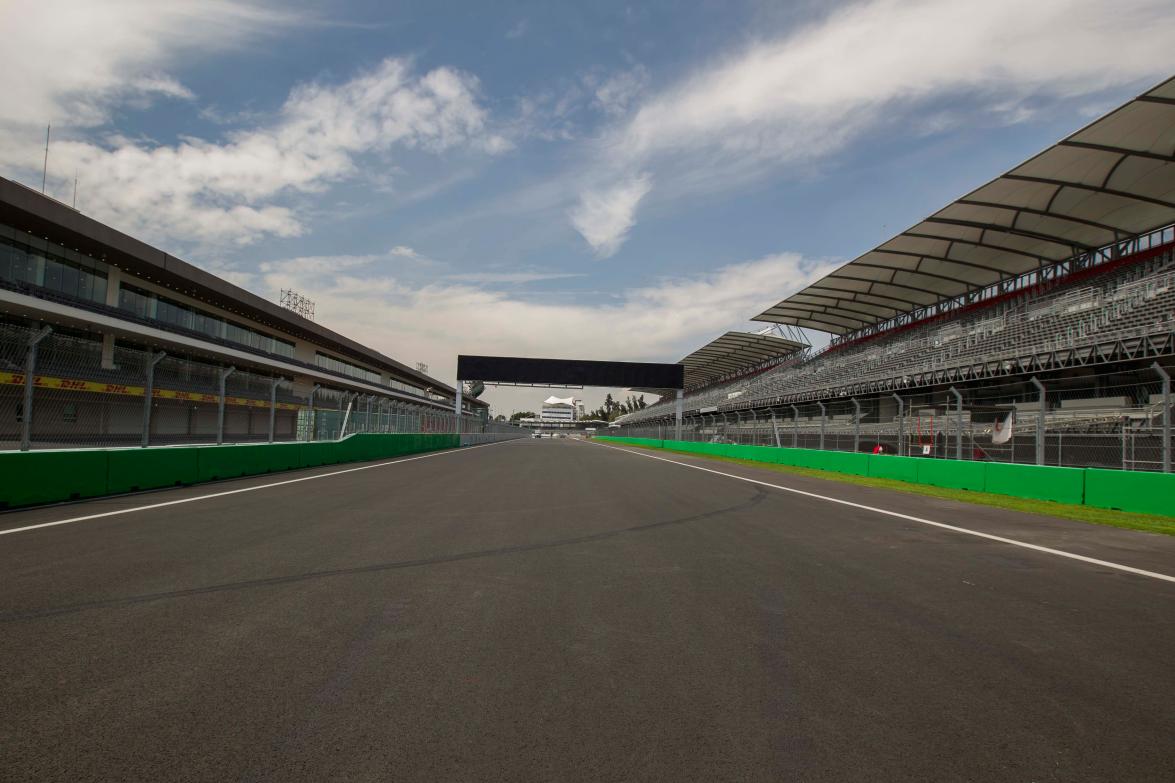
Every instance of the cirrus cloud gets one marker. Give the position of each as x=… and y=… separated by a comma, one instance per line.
x=814, y=91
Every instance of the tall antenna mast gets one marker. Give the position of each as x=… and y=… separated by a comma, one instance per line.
x=45, y=169
x=75, y=189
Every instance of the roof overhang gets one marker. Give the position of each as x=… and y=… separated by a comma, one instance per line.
x=729, y=354
x=43, y=216
x=1112, y=180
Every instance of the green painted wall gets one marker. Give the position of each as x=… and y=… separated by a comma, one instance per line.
x=1140, y=491
x=1060, y=485
x=1130, y=490
x=32, y=477
x=28, y=477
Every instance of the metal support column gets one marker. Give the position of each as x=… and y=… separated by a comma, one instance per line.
x=738, y=427
x=149, y=395
x=273, y=406
x=901, y=425
x=958, y=422
x=823, y=420
x=795, y=427
x=1125, y=424
x=1039, y=421
x=310, y=411
x=775, y=429
x=457, y=408
x=1166, y=415
x=225, y=372
x=856, y=424
x=677, y=414
x=30, y=370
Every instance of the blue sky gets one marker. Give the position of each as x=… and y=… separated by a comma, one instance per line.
x=595, y=180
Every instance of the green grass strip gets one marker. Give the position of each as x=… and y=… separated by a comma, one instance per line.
x=1150, y=523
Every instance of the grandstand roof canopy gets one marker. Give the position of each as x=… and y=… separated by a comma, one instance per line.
x=730, y=353
x=1109, y=181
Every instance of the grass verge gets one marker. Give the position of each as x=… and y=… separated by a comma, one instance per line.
x=1150, y=523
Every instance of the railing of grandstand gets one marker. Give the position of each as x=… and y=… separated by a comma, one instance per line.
x=59, y=390
x=1126, y=425
x=1046, y=274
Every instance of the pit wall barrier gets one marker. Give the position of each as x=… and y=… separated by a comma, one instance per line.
x=1138, y=491
x=34, y=477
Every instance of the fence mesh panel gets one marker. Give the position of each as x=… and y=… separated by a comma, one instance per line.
x=1103, y=424
x=87, y=394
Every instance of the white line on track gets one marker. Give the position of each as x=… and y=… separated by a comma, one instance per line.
x=242, y=489
x=899, y=515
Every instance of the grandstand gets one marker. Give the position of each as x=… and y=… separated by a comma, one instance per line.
x=94, y=322
x=1048, y=292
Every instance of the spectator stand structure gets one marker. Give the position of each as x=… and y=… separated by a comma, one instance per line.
x=1047, y=293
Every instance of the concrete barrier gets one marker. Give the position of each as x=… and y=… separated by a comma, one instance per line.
x=35, y=477
x=1138, y=491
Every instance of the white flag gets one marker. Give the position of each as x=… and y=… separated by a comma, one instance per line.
x=1003, y=429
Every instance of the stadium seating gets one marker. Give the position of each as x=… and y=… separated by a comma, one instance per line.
x=1121, y=302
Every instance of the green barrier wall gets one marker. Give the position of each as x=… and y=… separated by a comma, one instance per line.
x=1148, y=493
x=1139, y=491
x=129, y=470
x=32, y=477
x=891, y=467
x=1060, y=485
x=950, y=473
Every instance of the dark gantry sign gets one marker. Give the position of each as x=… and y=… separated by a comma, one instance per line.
x=569, y=372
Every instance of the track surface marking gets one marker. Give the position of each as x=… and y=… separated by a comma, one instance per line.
x=552, y=612
x=908, y=517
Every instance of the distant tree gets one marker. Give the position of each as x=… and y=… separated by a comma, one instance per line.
x=609, y=405
x=499, y=417
x=640, y=403
x=521, y=415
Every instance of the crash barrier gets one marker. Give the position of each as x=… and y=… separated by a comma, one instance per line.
x=33, y=477
x=480, y=438
x=1123, y=490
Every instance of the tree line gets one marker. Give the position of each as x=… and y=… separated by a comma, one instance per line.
x=612, y=410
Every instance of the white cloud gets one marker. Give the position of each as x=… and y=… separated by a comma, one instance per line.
x=510, y=277
x=603, y=217
x=70, y=61
x=370, y=303
x=814, y=91
x=616, y=93
x=217, y=192
x=101, y=56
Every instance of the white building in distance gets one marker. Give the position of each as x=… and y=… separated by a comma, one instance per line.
x=558, y=409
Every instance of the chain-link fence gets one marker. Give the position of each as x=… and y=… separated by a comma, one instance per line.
x=1123, y=425
x=65, y=389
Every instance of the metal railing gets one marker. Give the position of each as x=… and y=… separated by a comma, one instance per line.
x=67, y=390
x=1125, y=427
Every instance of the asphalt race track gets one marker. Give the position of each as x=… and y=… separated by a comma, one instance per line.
x=560, y=610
